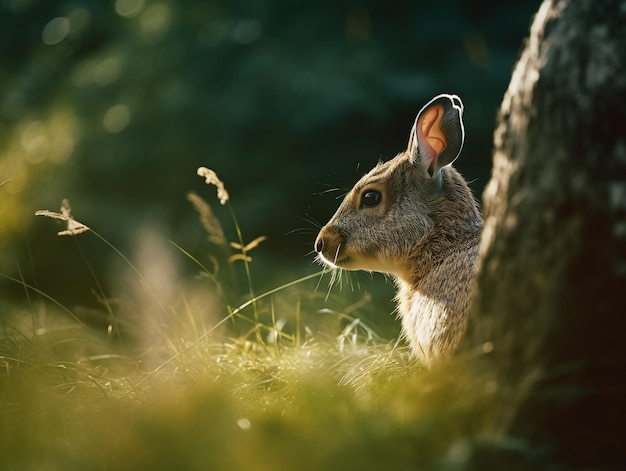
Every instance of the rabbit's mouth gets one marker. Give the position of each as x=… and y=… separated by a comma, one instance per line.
x=346, y=261
x=336, y=259
x=343, y=262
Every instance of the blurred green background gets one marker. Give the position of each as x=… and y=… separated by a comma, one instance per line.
x=115, y=103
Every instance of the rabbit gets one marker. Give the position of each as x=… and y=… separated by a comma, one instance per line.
x=415, y=218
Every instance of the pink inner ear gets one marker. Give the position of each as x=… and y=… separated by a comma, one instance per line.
x=431, y=138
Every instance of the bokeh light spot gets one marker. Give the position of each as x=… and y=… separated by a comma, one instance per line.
x=129, y=8
x=244, y=424
x=247, y=31
x=117, y=118
x=34, y=141
x=108, y=70
x=37, y=148
x=155, y=21
x=55, y=31
x=52, y=140
x=61, y=148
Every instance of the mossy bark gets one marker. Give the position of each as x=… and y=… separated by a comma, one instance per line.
x=551, y=288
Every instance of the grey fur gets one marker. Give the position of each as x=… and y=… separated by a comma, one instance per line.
x=425, y=232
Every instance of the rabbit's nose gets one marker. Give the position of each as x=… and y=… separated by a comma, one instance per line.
x=319, y=244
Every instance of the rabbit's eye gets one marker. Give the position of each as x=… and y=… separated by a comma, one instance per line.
x=370, y=199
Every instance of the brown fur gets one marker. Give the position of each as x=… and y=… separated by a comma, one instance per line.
x=425, y=232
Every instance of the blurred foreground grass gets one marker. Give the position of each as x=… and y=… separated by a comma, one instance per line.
x=71, y=400
x=284, y=381
x=321, y=391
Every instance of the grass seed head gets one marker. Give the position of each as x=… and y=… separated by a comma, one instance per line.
x=73, y=226
x=211, y=178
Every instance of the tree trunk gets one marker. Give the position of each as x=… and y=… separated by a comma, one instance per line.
x=551, y=287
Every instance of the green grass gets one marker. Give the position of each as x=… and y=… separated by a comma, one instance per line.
x=70, y=400
x=286, y=380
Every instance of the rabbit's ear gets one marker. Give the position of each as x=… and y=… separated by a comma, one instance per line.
x=437, y=135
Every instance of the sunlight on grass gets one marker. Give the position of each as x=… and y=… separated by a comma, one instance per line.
x=284, y=380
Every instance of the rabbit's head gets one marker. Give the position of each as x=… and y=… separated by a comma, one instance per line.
x=399, y=201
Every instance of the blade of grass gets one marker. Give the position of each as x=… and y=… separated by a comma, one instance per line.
x=41, y=293
x=246, y=264
x=230, y=316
